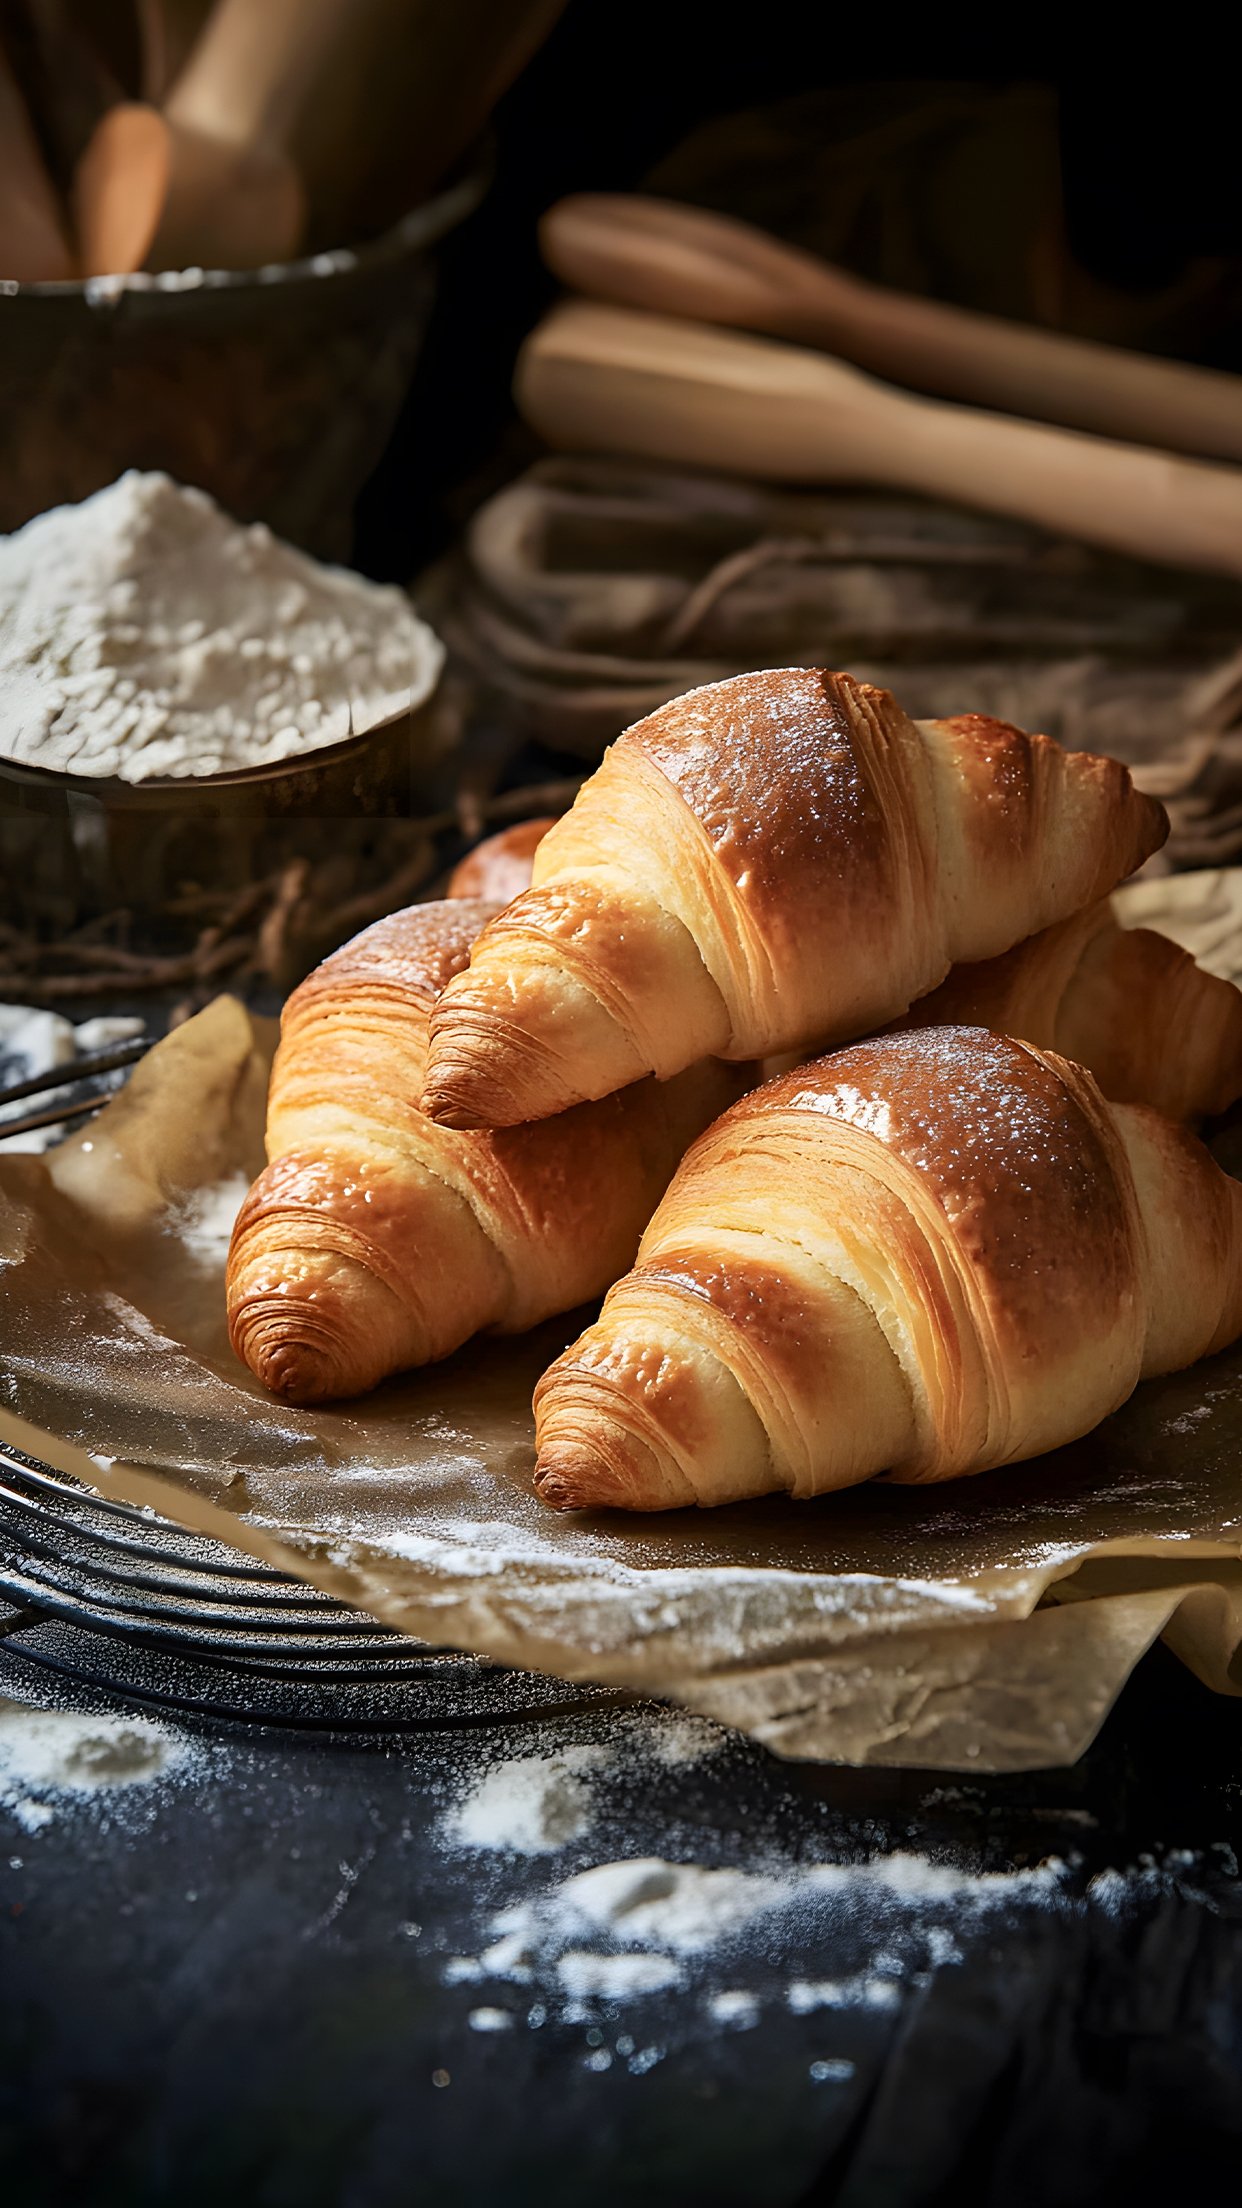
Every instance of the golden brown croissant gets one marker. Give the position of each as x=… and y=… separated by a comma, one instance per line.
x=1128, y=1004
x=769, y=863
x=375, y=1241
x=499, y=868
x=929, y=1254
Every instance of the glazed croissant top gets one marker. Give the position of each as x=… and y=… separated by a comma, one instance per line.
x=770, y=863
x=376, y=1241
x=1127, y=1003
x=499, y=868
x=929, y=1254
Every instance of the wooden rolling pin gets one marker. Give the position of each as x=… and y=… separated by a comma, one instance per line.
x=604, y=379
x=670, y=259
x=206, y=182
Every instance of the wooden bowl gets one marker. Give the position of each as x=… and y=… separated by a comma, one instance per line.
x=87, y=844
x=275, y=389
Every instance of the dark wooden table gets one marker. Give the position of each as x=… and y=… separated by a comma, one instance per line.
x=237, y=1994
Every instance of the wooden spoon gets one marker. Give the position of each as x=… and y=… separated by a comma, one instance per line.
x=33, y=246
x=205, y=182
x=604, y=379
x=672, y=259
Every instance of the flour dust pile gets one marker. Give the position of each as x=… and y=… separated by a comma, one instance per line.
x=616, y=1935
x=52, y=1761
x=144, y=633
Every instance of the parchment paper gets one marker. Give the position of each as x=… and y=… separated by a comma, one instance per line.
x=986, y=1624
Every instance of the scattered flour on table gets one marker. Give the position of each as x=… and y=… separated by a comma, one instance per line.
x=682, y=1740
x=620, y=1932
x=532, y=1805
x=529, y=1805
x=806, y=1995
x=51, y=1760
x=612, y=1977
x=681, y=1906
x=1116, y=1892
x=734, y=2006
x=145, y=633
x=654, y=1922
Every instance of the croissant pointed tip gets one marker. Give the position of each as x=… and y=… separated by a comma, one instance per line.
x=571, y=1479
x=294, y=1371
x=460, y=1093
x=445, y=1108
x=558, y=1494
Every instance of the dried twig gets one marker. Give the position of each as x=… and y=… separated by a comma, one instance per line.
x=274, y=927
x=271, y=947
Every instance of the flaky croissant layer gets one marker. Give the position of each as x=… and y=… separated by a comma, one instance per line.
x=929, y=1255
x=374, y=1241
x=776, y=862
x=1130, y=1005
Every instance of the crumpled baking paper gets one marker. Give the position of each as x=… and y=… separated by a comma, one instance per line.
x=984, y=1625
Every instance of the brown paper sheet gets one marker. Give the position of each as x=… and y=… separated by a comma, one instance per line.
x=986, y=1624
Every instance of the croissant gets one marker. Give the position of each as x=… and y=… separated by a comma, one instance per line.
x=1128, y=1004
x=374, y=1241
x=930, y=1254
x=500, y=867
x=778, y=861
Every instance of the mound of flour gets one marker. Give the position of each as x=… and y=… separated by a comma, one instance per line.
x=529, y=1805
x=534, y=1804
x=145, y=633
x=51, y=1759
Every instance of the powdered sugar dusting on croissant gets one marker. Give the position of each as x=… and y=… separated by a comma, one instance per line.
x=930, y=1254
x=770, y=863
x=1131, y=1005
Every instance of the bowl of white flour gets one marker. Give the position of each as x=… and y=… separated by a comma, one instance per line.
x=161, y=663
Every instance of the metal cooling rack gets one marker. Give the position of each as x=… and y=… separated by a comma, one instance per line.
x=117, y=1597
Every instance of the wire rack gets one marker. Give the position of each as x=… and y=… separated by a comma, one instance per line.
x=118, y=1597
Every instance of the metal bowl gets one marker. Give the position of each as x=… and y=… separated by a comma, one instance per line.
x=276, y=389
